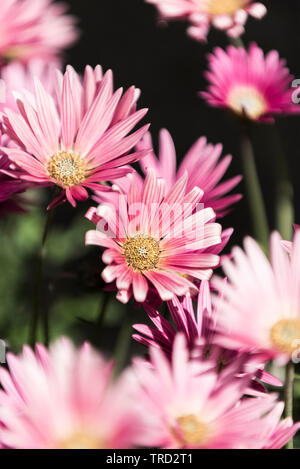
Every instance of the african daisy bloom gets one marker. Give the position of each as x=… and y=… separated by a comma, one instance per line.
x=64, y=399
x=204, y=167
x=259, y=307
x=34, y=28
x=199, y=328
x=187, y=405
x=251, y=85
x=155, y=236
x=79, y=139
x=227, y=15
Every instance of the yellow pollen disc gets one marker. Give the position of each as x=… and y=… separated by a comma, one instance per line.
x=141, y=253
x=285, y=335
x=193, y=432
x=225, y=7
x=67, y=168
x=246, y=100
x=81, y=441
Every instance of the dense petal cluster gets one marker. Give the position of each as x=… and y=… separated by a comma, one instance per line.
x=77, y=139
x=156, y=236
x=259, y=305
x=216, y=413
x=227, y=15
x=34, y=28
x=249, y=83
x=64, y=399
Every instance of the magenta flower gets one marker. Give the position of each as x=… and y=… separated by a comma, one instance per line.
x=259, y=305
x=250, y=84
x=79, y=140
x=156, y=237
x=10, y=186
x=227, y=15
x=64, y=399
x=187, y=405
x=204, y=168
x=34, y=28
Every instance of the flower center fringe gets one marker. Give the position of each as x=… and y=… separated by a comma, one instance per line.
x=245, y=100
x=225, y=7
x=192, y=431
x=285, y=335
x=67, y=168
x=141, y=253
x=81, y=441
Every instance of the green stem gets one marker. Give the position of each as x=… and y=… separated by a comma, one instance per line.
x=105, y=298
x=288, y=396
x=254, y=192
x=122, y=346
x=38, y=288
x=284, y=189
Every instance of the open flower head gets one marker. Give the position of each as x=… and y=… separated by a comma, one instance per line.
x=227, y=15
x=156, y=237
x=250, y=84
x=79, y=139
x=64, y=399
x=259, y=306
x=34, y=29
x=188, y=405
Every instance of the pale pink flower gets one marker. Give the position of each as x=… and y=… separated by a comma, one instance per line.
x=64, y=399
x=288, y=245
x=227, y=15
x=187, y=405
x=259, y=308
x=199, y=328
x=78, y=140
x=17, y=77
x=250, y=84
x=155, y=237
x=34, y=28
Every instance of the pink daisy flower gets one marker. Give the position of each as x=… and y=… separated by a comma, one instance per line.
x=199, y=329
x=64, y=399
x=288, y=245
x=156, y=237
x=34, y=28
x=202, y=163
x=79, y=140
x=216, y=415
x=259, y=306
x=227, y=15
x=251, y=85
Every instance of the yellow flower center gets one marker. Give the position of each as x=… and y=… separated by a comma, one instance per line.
x=81, y=441
x=67, y=168
x=285, y=335
x=141, y=253
x=225, y=7
x=247, y=101
x=191, y=431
